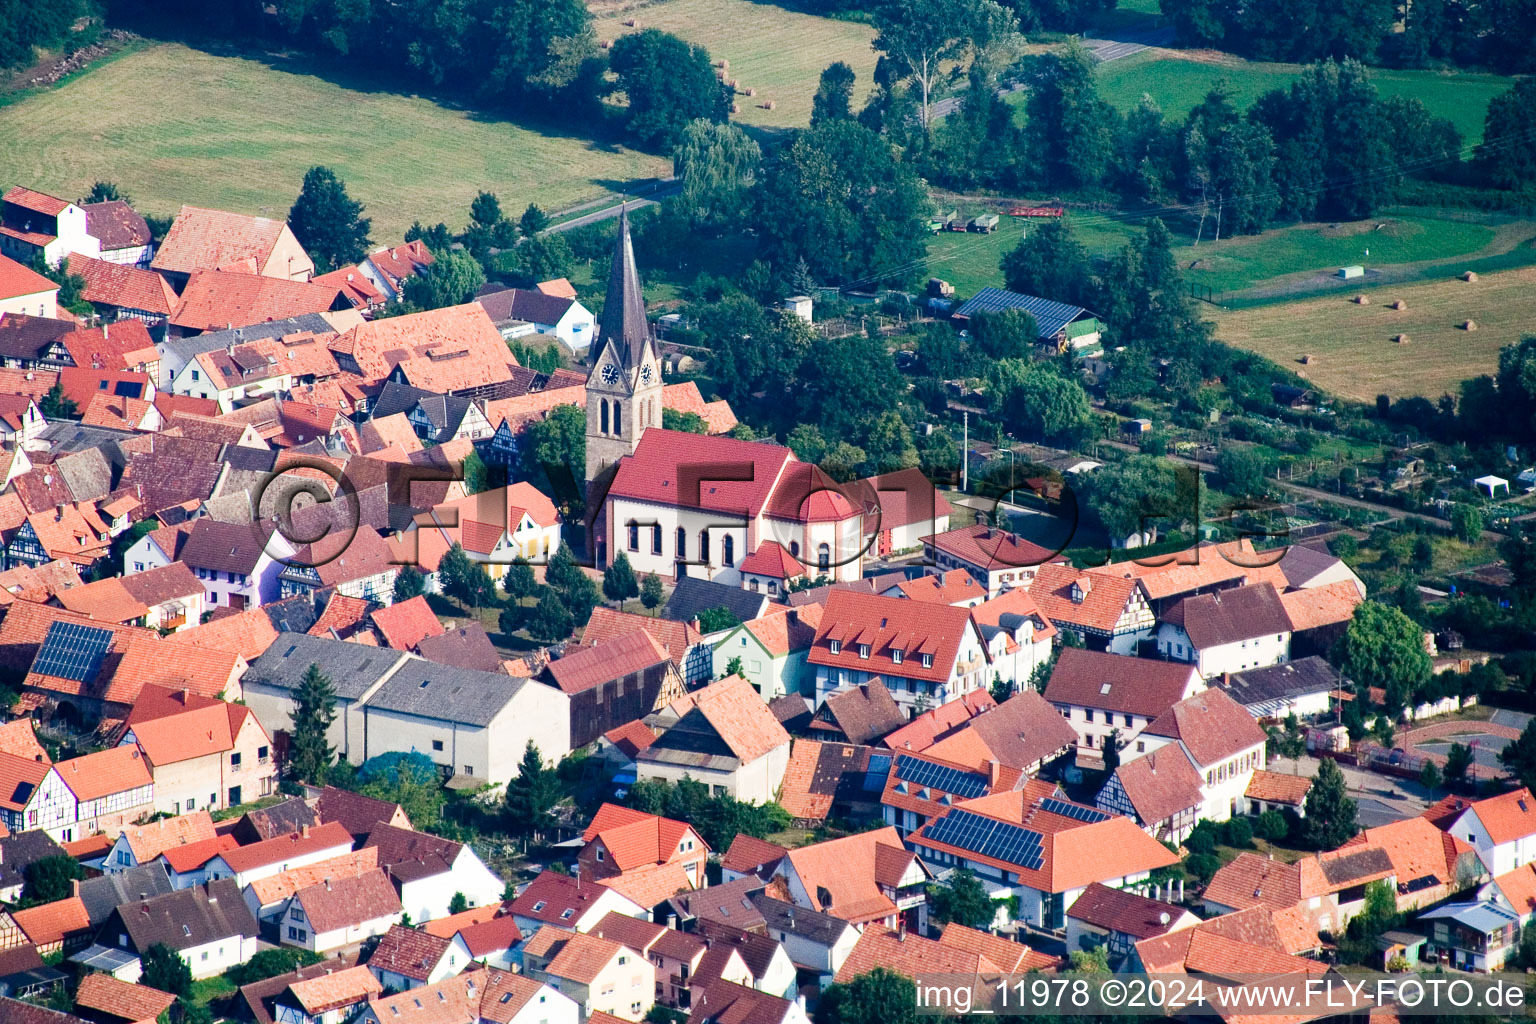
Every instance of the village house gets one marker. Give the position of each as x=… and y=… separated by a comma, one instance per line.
x=429, y=871
x=925, y=653
x=213, y=300
x=555, y=315
x=196, y=863
x=339, y=912
x=642, y=856
x=407, y=958
x=1303, y=687
x=682, y=641
x=922, y=786
x=598, y=974
x=909, y=954
x=1501, y=828
x=1251, y=941
x=771, y=650
x=202, y=753
x=1116, y=920
x=1321, y=892
x=1107, y=612
x=995, y=558
x=1429, y=865
x=771, y=570
x=388, y=267
x=1101, y=694
x=865, y=878
x=201, y=239
x=814, y=941
x=268, y=897
x=34, y=223
x=167, y=597
x=439, y=350
x=20, y=420
x=910, y=509
x=1045, y=850
x=613, y=684
x=725, y=738
x=139, y=845
x=1227, y=631
x=1276, y=791
x=240, y=375
x=331, y=998
x=106, y=790
x=355, y=564
x=106, y=1000
x=858, y=714
x=1161, y=793
x=475, y=997
x=568, y=902
x=676, y=955
x=431, y=416
x=239, y=565
x=495, y=528
x=1222, y=741
x=23, y=291
x=311, y=845
x=210, y=927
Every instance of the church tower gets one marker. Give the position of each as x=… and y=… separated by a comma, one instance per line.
x=624, y=385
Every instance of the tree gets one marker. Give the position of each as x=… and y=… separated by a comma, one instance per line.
x=520, y=582
x=1272, y=827
x=1507, y=155
x=1001, y=689
x=687, y=422
x=834, y=95
x=532, y=221
x=269, y=963
x=309, y=754
x=577, y=591
x=1519, y=756
x=1111, y=751
x=56, y=405
x=436, y=238
x=476, y=476
x=1007, y=334
x=1330, y=817
x=650, y=591
x=1429, y=777
x=1049, y=262
x=550, y=620
x=104, y=192
x=164, y=969
x=328, y=223
x=1070, y=129
x=452, y=280
x=1458, y=760
x=71, y=286
x=554, y=453
x=458, y=904
x=1243, y=471
x=465, y=579
x=1033, y=398
x=1290, y=742
x=48, y=879
x=619, y=583
x=838, y=197
x=963, y=900
x=1383, y=647
x=407, y=778
x=1467, y=522
x=540, y=257
x=667, y=82
x=923, y=39
x=717, y=164
x=880, y=996
x=409, y=582
x=713, y=620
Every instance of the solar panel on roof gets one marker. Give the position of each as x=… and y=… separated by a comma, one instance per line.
x=989, y=837
x=1050, y=316
x=926, y=774
x=72, y=651
x=1073, y=811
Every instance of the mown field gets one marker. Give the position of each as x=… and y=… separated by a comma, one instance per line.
x=1355, y=355
x=1178, y=82
x=173, y=125
x=776, y=51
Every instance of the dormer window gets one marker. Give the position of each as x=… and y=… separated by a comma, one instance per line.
x=927, y=661
x=835, y=646
x=864, y=650
x=896, y=655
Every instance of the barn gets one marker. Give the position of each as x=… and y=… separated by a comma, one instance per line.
x=1061, y=326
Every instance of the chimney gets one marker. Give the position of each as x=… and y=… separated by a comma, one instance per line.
x=58, y=512
x=992, y=773
x=672, y=922
x=106, y=331
x=304, y=831
x=901, y=931
x=74, y=887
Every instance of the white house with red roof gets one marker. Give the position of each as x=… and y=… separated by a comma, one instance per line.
x=494, y=527
x=389, y=267
x=644, y=856
x=866, y=878
x=1222, y=741
x=201, y=752
x=34, y=222
x=24, y=291
x=1230, y=630
x=572, y=903
x=995, y=558
x=699, y=505
x=1100, y=693
x=310, y=845
x=929, y=652
x=910, y=508
x=771, y=569
x=1502, y=829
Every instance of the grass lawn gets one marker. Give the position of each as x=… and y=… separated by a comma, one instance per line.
x=1356, y=356
x=969, y=261
x=778, y=52
x=1178, y=82
x=209, y=989
x=173, y=125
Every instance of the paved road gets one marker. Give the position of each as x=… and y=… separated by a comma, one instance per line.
x=646, y=193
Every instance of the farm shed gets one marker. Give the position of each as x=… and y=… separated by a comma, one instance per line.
x=1060, y=326
x=1491, y=486
x=1349, y=273
x=1136, y=427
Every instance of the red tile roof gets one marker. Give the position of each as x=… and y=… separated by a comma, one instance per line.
x=747, y=854
x=398, y=262
x=192, y=856
x=952, y=587
x=631, y=737
x=201, y=239
x=1315, y=607
x=17, y=280
x=1019, y=733
x=634, y=838
x=37, y=202
x=124, y=287
x=1009, y=957
x=1104, y=598
x=990, y=548
x=121, y=999
x=197, y=731
x=1125, y=912
x=339, y=903
x=446, y=349
x=782, y=630
x=772, y=560
x=904, y=498
x=930, y=726
x=608, y=624
x=910, y=954
x=736, y=712
x=849, y=870
x=685, y=397
x=53, y=922
x=104, y=773
x=861, y=713
x=1507, y=817
x=1277, y=788
x=1211, y=725
x=884, y=624
x=1230, y=616
x=1115, y=682
x=19, y=779
x=149, y=841
x=669, y=468
x=558, y=893
x=591, y=666
x=214, y=300
x=274, y=851
x=408, y=951
x=1160, y=784
x=405, y=623
x=20, y=740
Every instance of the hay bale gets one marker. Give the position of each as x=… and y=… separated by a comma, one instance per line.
x=1360, y=300
x=730, y=83
x=1470, y=275
x=1469, y=325
x=722, y=63
x=1399, y=305
x=1401, y=339
x=749, y=91
x=720, y=76
x=631, y=22
x=735, y=108
x=1308, y=359
x=767, y=104
x=604, y=44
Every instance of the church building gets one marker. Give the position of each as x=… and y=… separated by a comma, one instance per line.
x=682, y=504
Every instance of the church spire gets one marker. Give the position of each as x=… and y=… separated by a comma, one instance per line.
x=623, y=321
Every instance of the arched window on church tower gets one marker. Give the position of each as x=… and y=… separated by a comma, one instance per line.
x=604, y=403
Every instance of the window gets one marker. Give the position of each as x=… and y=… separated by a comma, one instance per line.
x=191, y=804
x=896, y=655
x=603, y=417
x=234, y=759
x=599, y=856
x=634, y=536
x=138, y=566
x=195, y=375
x=565, y=915
x=205, y=954
x=262, y=754
x=623, y=960
x=824, y=557
x=437, y=744
x=469, y=769
x=656, y=539
x=728, y=550
x=704, y=545
x=1127, y=720
x=794, y=548
x=1141, y=746
x=863, y=650
x=835, y=646
x=538, y=906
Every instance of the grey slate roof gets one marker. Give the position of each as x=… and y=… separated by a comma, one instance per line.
x=188, y=349
x=105, y=893
x=1282, y=682
x=1050, y=316
x=693, y=596
x=188, y=917
x=292, y=614
x=352, y=668
x=252, y=460
x=813, y=925
x=21, y=849
x=87, y=474
x=396, y=398
x=1301, y=563
x=449, y=694
x=64, y=436
x=526, y=304
x=467, y=647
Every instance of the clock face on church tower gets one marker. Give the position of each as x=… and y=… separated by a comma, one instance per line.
x=646, y=373
x=610, y=374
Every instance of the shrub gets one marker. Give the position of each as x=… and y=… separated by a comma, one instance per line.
x=1237, y=832
x=1272, y=826
x=1202, y=866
